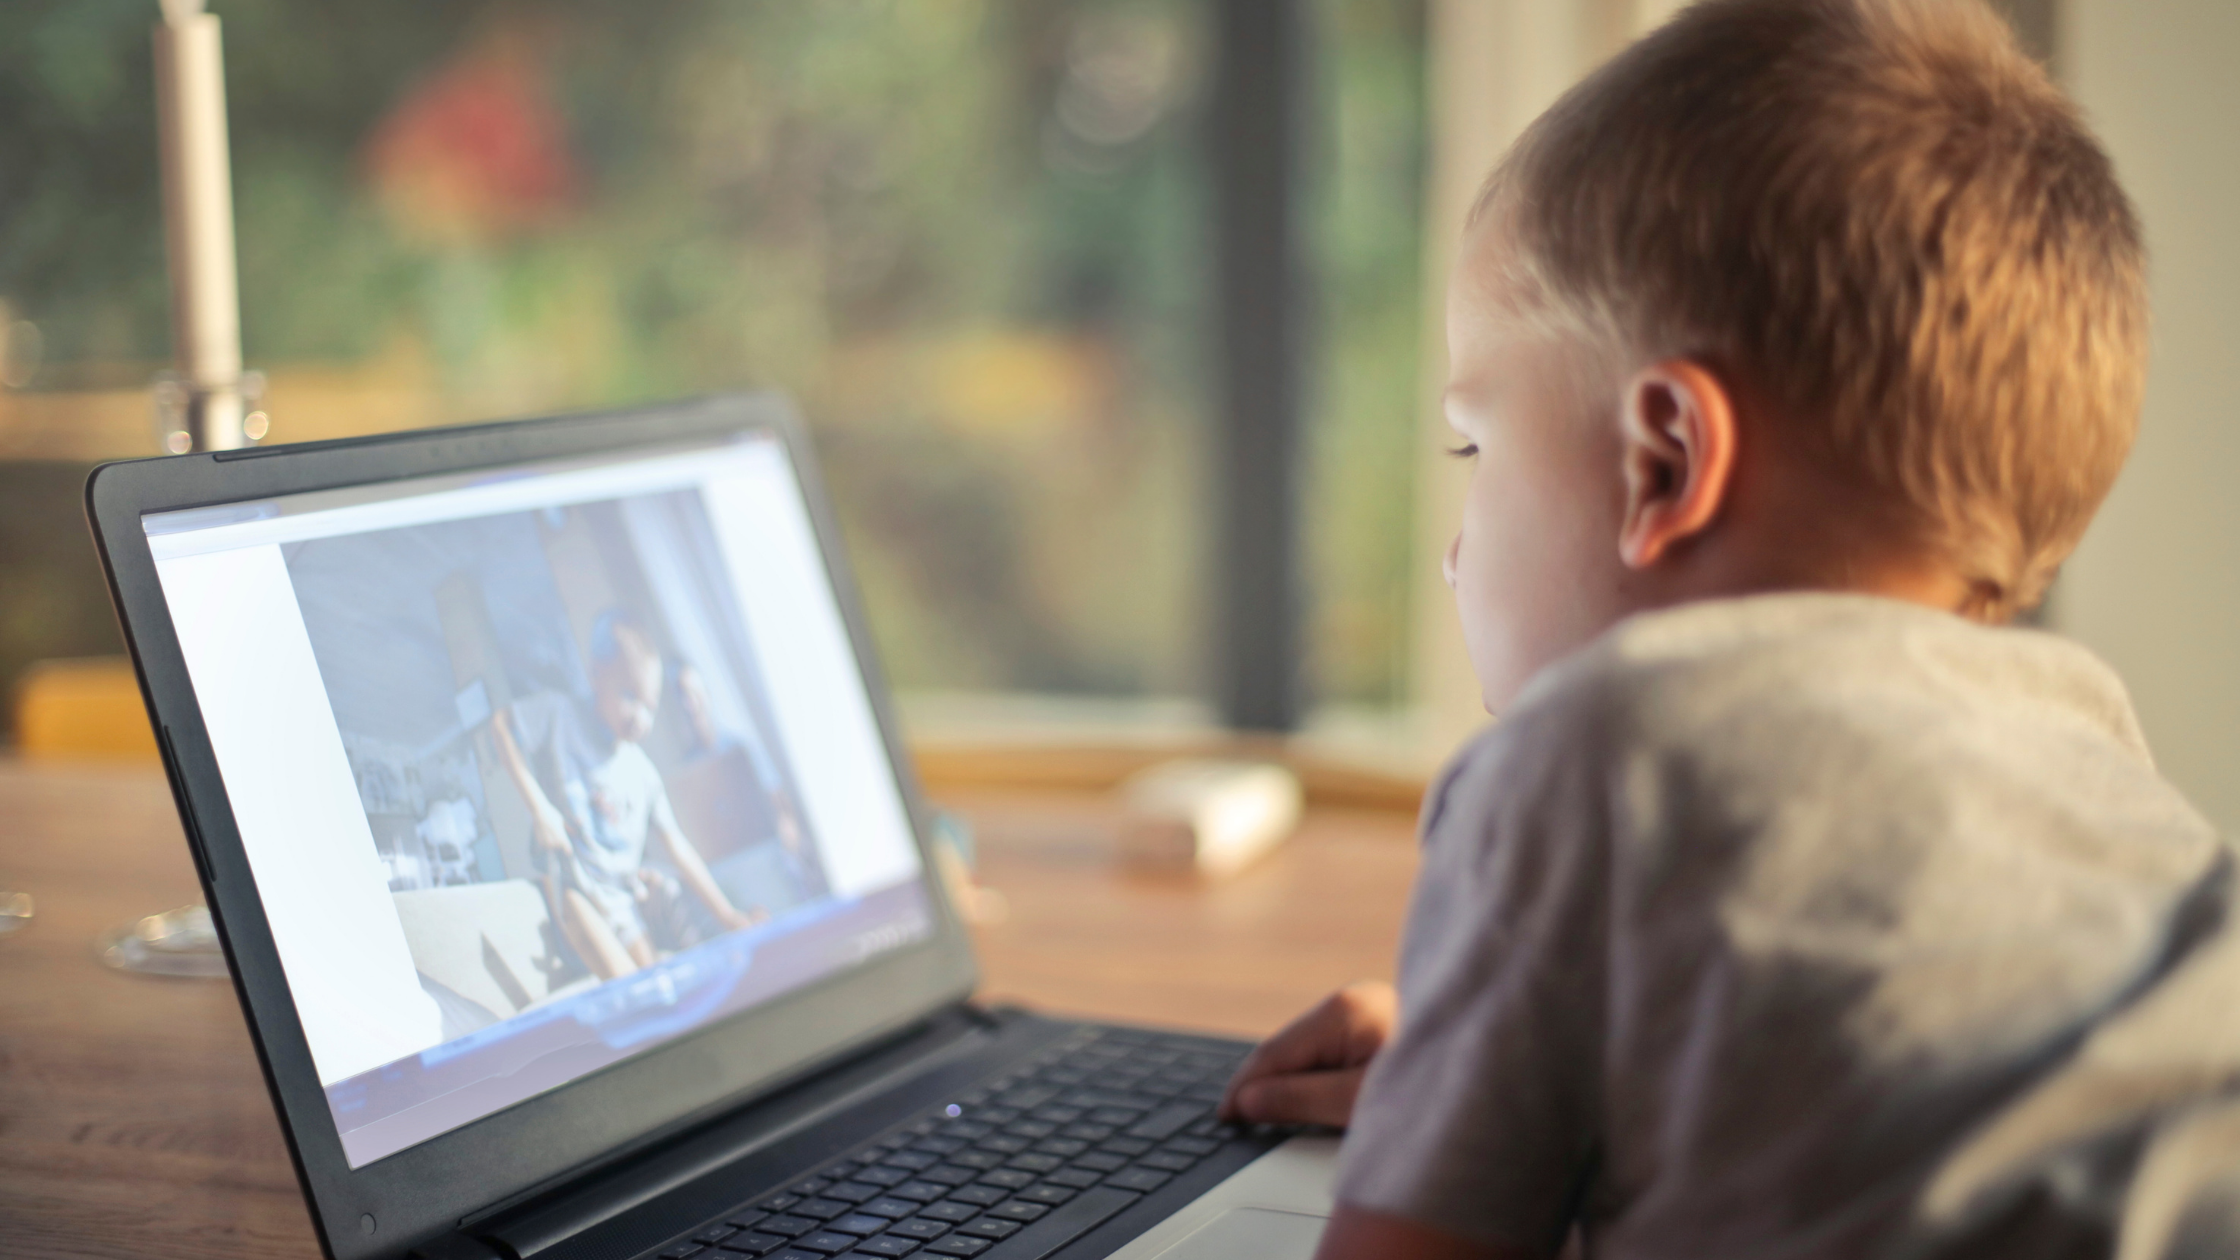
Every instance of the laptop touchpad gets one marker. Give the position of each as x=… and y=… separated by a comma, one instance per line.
x=1249, y=1233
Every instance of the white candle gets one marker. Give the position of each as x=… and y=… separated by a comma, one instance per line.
x=198, y=220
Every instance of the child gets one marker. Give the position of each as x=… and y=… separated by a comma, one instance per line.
x=595, y=801
x=1792, y=908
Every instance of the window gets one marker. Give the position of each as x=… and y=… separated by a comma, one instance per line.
x=972, y=238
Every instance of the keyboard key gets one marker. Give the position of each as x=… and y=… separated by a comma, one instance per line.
x=853, y=1191
x=1127, y=1146
x=892, y=1205
x=790, y=1225
x=747, y=1219
x=1008, y=1178
x=796, y=1253
x=998, y=1115
x=920, y=1191
x=1036, y=1163
x=1063, y=1148
x=1102, y=1161
x=912, y=1160
x=821, y=1209
x=967, y=1130
x=949, y=1175
x=1031, y=1129
x=921, y=1229
x=1028, y=1099
x=1087, y=1132
x=1004, y=1144
x=991, y=1227
x=1167, y=1161
x=754, y=1244
x=1143, y=1179
x=1017, y=1211
x=1167, y=1121
x=1047, y=1194
x=1193, y=1145
x=861, y=1223
x=977, y=1159
x=780, y=1202
x=960, y=1247
x=827, y=1241
x=1057, y=1115
x=937, y=1145
x=981, y=1196
x=882, y=1175
x=887, y=1245
x=715, y=1234
x=952, y=1212
x=1075, y=1178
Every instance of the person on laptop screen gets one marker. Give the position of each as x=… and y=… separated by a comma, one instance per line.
x=596, y=802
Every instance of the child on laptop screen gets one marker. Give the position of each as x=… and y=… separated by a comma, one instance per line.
x=1793, y=907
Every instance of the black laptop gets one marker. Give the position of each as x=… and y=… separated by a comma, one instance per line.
x=546, y=795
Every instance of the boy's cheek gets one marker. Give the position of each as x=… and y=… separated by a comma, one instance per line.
x=1494, y=612
x=1523, y=582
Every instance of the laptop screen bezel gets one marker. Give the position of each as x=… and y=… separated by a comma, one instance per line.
x=425, y=1190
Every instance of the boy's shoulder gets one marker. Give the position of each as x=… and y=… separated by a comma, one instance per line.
x=1743, y=681
x=1852, y=729
x=1839, y=659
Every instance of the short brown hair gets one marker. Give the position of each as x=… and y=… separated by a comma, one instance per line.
x=1886, y=219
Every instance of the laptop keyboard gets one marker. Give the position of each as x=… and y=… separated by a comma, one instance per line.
x=1016, y=1167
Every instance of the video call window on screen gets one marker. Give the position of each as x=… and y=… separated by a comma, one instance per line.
x=561, y=740
x=540, y=769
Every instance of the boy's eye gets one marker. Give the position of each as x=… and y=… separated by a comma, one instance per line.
x=1463, y=452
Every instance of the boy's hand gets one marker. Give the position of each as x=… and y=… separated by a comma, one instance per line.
x=1311, y=1071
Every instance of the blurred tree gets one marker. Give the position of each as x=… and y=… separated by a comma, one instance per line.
x=967, y=235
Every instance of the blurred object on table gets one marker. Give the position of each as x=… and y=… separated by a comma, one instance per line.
x=1211, y=817
x=15, y=911
x=85, y=708
x=181, y=943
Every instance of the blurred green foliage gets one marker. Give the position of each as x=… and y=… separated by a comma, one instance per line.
x=968, y=234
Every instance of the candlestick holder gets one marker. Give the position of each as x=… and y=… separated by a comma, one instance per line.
x=211, y=418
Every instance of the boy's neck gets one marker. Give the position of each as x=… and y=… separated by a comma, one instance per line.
x=1788, y=526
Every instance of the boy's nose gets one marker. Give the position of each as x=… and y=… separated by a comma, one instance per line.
x=1447, y=562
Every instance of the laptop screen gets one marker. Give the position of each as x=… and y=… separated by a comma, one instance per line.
x=538, y=769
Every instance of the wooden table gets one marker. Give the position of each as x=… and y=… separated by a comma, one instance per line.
x=133, y=1121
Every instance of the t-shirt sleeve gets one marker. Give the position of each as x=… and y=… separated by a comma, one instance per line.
x=1481, y=1117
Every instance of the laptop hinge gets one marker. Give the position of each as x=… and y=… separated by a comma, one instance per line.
x=457, y=1247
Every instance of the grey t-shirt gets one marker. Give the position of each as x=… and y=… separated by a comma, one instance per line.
x=1814, y=925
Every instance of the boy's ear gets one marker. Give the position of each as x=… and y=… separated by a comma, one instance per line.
x=1677, y=444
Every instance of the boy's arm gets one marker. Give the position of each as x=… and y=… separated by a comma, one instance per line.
x=547, y=826
x=1356, y=1233
x=695, y=873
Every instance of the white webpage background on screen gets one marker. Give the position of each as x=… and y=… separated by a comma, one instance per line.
x=296, y=805
x=824, y=711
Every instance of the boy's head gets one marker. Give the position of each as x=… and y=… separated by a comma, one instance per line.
x=1790, y=294
x=626, y=675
